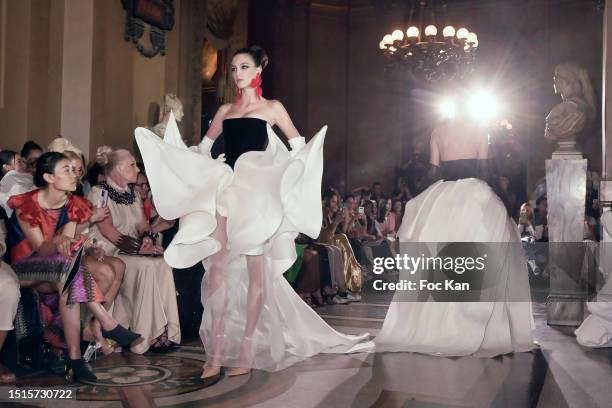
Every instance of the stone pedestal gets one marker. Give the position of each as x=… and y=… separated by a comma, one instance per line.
x=566, y=190
x=567, y=151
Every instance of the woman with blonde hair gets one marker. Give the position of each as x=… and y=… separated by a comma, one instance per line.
x=146, y=301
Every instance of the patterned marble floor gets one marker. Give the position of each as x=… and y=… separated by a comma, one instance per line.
x=561, y=374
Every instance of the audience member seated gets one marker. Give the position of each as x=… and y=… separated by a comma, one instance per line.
x=14, y=179
x=305, y=274
x=351, y=226
x=333, y=216
x=397, y=211
x=371, y=232
x=156, y=223
x=540, y=219
x=9, y=300
x=536, y=253
x=361, y=194
x=76, y=161
x=62, y=145
x=330, y=271
x=377, y=192
x=525, y=225
x=375, y=245
x=30, y=152
x=386, y=221
x=402, y=191
x=42, y=231
x=147, y=299
x=108, y=271
x=95, y=175
x=11, y=161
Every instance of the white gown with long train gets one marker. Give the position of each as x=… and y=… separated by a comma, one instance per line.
x=464, y=210
x=267, y=199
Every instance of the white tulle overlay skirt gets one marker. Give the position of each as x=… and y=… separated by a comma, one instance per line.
x=230, y=218
x=466, y=210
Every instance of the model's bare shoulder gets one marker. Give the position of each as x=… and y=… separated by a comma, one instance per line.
x=276, y=105
x=224, y=109
x=278, y=111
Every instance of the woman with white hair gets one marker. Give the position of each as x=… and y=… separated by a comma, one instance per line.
x=147, y=299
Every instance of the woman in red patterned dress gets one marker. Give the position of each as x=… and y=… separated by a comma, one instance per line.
x=41, y=236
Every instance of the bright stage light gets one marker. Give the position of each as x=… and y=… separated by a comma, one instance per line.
x=483, y=106
x=447, y=108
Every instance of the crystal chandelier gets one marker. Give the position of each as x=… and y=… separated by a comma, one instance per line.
x=430, y=57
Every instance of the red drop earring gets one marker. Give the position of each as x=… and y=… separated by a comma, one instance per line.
x=256, y=83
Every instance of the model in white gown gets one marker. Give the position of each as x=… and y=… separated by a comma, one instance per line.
x=267, y=199
x=464, y=210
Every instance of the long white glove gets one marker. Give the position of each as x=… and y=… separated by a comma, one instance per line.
x=296, y=144
x=205, y=147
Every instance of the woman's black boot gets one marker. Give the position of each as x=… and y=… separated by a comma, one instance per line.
x=81, y=371
x=121, y=335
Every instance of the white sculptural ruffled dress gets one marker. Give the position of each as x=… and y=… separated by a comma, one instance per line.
x=268, y=198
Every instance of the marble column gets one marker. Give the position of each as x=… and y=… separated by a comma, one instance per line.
x=566, y=190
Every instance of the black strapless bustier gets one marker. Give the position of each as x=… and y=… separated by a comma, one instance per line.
x=453, y=170
x=241, y=135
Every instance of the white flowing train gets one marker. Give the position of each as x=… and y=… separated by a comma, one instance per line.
x=465, y=210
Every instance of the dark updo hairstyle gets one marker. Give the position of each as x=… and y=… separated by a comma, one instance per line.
x=46, y=165
x=257, y=53
x=95, y=170
x=29, y=147
x=6, y=157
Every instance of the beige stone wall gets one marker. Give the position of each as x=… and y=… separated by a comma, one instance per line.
x=126, y=85
x=16, y=61
x=67, y=69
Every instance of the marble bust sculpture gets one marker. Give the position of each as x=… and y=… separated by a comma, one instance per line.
x=568, y=120
x=171, y=103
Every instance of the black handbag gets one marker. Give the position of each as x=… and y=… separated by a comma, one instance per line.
x=25, y=351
